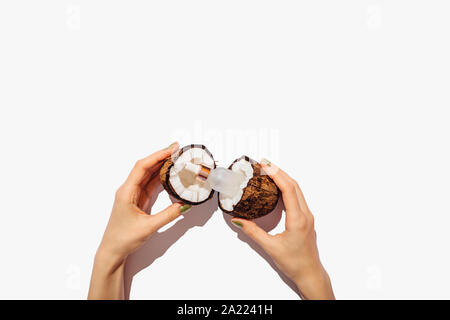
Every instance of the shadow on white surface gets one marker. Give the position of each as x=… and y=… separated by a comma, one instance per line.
x=267, y=223
x=160, y=242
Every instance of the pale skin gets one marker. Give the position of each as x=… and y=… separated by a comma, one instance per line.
x=294, y=251
x=130, y=225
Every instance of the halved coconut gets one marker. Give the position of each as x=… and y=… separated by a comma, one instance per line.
x=258, y=194
x=180, y=182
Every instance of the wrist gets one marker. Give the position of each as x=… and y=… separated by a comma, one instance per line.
x=107, y=261
x=315, y=284
x=107, y=276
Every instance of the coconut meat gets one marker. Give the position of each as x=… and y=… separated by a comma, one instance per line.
x=244, y=167
x=184, y=182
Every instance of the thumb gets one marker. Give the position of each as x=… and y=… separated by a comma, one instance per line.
x=251, y=229
x=169, y=214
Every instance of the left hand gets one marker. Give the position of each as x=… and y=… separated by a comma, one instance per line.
x=130, y=225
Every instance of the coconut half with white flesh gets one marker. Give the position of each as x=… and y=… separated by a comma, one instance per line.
x=180, y=181
x=257, y=196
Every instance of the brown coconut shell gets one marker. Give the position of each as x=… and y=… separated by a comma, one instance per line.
x=259, y=198
x=164, y=173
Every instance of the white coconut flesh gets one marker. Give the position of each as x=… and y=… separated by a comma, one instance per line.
x=185, y=182
x=229, y=201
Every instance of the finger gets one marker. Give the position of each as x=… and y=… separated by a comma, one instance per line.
x=151, y=185
x=304, y=210
x=169, y=214
x=301, y=198
x=148, y=194
x=144, y=168
x=288, y=192
x=251, y=229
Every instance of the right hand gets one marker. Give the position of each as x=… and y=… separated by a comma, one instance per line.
x=295, y=250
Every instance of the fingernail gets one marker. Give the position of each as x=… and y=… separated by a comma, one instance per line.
x=237, y=224
x=185, y=208
x=171, y=146
x=266, y=162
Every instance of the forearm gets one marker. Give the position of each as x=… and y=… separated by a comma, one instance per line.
x=107, y=278
x=315, y=286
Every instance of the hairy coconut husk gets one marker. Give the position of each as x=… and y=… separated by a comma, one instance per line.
x=259, y=198
x=164, y=173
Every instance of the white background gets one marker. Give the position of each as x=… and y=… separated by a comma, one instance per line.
x=351, y=98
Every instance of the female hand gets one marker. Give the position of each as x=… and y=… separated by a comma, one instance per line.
x=130, y=225
x=295, y=250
